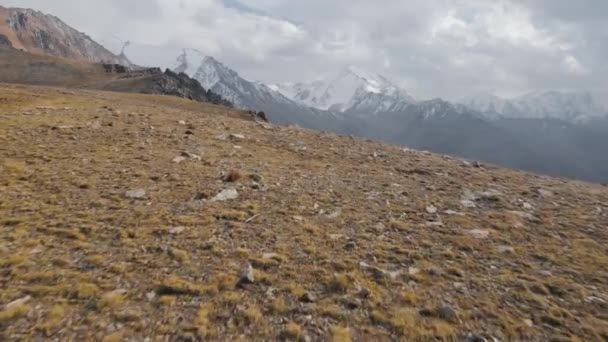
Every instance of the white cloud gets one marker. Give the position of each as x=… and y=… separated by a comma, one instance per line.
x=441, y=47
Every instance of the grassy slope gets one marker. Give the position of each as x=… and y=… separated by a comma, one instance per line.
x=99, y=265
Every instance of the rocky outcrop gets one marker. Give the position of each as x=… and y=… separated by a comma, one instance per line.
x=181, y=85
x=4, y=41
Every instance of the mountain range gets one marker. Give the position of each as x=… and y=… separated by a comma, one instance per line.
x=556, y=133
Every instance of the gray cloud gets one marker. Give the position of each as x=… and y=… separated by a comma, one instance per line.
x=447, y=48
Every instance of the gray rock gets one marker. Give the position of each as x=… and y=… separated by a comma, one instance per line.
x=247, y=276
x=178, y=159
x=544, y=193
x=308, y=298
x=236, y=137
x=431, y=209
x=226, y=195
x=447, y=313
x=479, y=233
x=138, y=194
x=505, y=249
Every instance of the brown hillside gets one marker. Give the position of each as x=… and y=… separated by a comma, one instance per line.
x=129, y=216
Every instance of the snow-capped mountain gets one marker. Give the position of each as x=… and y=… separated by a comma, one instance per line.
x=519, y=134
x=349, y=90
x=222, y=80
x=567, y=106
x=245, y=94
x=36, y=32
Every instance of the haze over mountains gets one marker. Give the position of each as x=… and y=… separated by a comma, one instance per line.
x=556, y=133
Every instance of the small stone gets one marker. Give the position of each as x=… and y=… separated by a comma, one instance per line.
x=468, y=204
x=350, y=246
x=529, y=323
x=137, y=194
x=182, y=122
x=413, y=271
x=151, y=295
x=364, y=293
x=544, y=193
x=505, y=249
x=247, y=276
x=189, y=155
x=18, y=302
x=178, y=159
x=475, y=338
x=236, y=136
x=431, y=209
x=447, y=313
x=527, y=206
x=269, y=256
x=335, y=214
x=176, y=230
x=546, y=273
x=479, y=233
x=226, y=195
x=308, y=297
x=335, y=237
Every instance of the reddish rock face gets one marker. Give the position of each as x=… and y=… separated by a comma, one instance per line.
x=40, y=33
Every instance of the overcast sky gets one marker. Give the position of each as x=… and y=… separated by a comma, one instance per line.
x=447, y=48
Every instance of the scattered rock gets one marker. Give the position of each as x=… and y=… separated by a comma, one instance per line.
x=151, y=295
x=247, y=276
x=233, y=176
x=527, y=206
x=138, y=194
x=544, y=193
x=193, y=156
x=331, y=215
x=468, y=204
x=546, y=273
x=182, y=122
x=475, y=338
x=176, y=230
x=18, y=302
x=431, y=209
x=350, y=246
x=236, y=137
x=226, y=195
x=308, y=297
x=479, y=233
x=271, y=256
x=505, y=249
x=447, y=313
x=178, y=159
x=413, y=271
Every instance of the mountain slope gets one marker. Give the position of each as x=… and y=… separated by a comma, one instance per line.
x=26, y=68
x=111, y=228
x=40, y=33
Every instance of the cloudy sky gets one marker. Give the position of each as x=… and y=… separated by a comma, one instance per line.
x=447, y=48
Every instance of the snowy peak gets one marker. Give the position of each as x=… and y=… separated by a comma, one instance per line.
x=568, y=106
x=219, y=78
x=346, y=90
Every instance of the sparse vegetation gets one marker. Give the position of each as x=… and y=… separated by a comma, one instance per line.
x=338, y=250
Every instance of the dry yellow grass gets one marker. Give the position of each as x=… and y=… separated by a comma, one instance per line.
x=340, y=241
